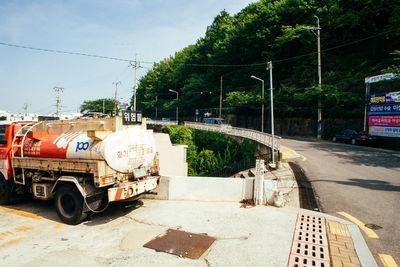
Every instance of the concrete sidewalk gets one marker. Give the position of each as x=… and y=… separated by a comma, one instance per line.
x=245, y=236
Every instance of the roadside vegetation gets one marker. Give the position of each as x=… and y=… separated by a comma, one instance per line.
x=209, y=151
x=358, y=39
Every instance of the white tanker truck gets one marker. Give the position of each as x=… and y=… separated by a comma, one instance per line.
x=83, y=164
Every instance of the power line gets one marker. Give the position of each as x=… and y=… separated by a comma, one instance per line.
x=195, y=64
x=63, y=52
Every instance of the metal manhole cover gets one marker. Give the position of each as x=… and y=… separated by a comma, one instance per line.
x=182, y=244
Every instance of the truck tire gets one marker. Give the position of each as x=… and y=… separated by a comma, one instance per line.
x=353, y=141
x=69, y=204
x=5, y=191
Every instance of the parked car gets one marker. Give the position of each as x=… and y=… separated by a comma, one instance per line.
x=353, y=137
x=217, y=121
x=90, y=115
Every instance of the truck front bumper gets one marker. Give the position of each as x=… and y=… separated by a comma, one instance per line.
x=132, y=189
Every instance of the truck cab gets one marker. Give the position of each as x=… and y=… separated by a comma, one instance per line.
x=6, y=137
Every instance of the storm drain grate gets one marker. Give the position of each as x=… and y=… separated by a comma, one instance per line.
x=182, y=244
x=310, y=250
x=300, y=261
x=311, y=238
x=310, y=223
x=310, y=243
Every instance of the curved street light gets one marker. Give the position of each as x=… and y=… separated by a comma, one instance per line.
x=177, y=99
x=262, y=106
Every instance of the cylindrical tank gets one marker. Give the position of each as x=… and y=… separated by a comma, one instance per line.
x=123, y=150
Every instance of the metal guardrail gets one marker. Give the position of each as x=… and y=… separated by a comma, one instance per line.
x=162, y=123
x=262, y=138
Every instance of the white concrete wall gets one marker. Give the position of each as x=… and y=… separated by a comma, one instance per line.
x=204, y=189
x=171, y=157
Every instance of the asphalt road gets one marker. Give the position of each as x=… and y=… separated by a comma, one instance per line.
x=361, y=181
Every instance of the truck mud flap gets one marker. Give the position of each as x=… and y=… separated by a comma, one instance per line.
x=131, y=190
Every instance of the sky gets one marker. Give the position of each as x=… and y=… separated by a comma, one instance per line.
x=148, y=30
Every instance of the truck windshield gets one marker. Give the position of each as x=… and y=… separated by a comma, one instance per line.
x=3, y=140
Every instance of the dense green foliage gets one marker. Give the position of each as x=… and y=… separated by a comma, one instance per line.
x=97, y=106
x=209, y=151
x=358, y=39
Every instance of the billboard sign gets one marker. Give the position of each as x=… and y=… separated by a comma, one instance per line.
x=384, y=120
x=384, y=131
x=384, y=109
x=378, y=78
x=393, y=97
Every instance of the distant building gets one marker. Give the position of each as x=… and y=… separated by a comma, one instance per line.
x=6, y=116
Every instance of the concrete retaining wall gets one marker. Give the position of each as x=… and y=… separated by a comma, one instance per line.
x=229, y=189
x=204, y=189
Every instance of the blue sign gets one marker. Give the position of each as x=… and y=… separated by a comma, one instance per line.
x=393, y=97
x=197, y=112
x=384, y=109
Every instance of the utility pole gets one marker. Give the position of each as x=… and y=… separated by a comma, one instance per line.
x=220, y=99
x=319, y=80
x=58, y=99
x=103, y=106
x=26, y=105
x=135, y=65
x=272, y=110
x=318, y=35
x=115, y=101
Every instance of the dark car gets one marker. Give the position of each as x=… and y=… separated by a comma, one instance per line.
x=90, y=115
x=353, y=137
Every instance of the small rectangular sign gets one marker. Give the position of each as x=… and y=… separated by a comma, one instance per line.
x=377, y=78
x=384, y=120
x=390, y=109
x=386, y=98
x=131, y=117
x=384, y=131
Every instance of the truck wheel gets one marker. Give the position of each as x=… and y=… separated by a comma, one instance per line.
x=69, y=204
x=5, y=191
x=334, y=139
x=353, y=141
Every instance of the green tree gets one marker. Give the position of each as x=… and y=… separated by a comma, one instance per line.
x=97, y=106
x=358, y=39
x=209, y=151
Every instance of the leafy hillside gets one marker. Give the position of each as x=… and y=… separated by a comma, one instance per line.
x=358, y=39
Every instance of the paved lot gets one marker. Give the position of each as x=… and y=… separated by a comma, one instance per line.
x=31, y=235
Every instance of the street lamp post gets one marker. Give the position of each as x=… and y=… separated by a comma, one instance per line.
x=262, y=106
x=156, y=105
x=272, y=110
x=318, y=35
x=177, y=99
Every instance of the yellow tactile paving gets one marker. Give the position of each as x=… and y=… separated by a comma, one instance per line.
x=341, y=245
x=337, y=228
